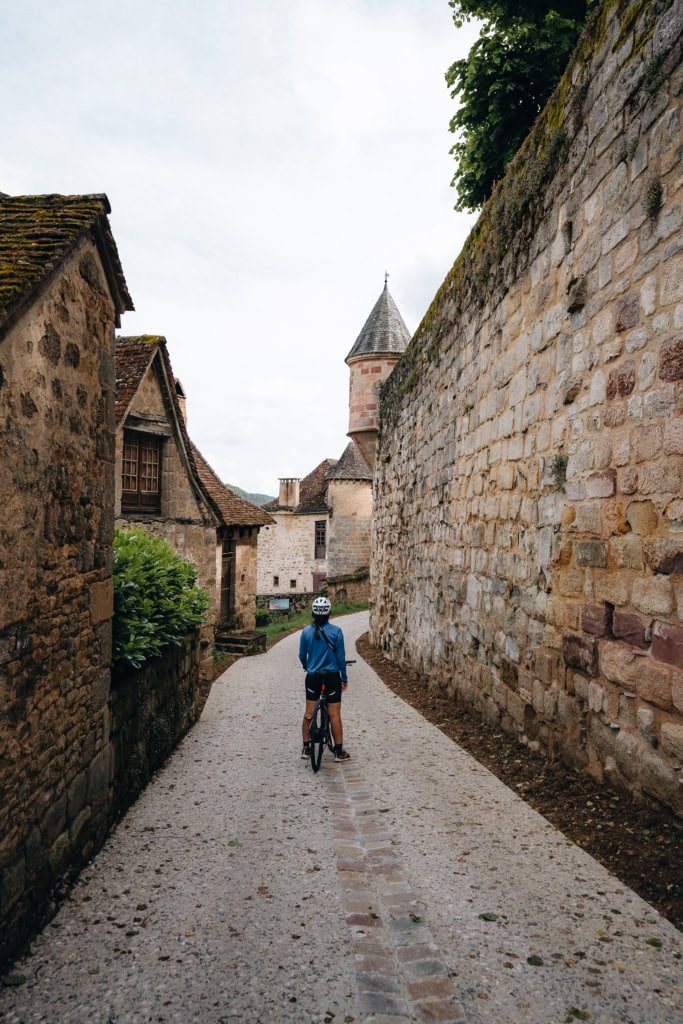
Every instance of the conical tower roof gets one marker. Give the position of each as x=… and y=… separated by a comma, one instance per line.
x=384, y=331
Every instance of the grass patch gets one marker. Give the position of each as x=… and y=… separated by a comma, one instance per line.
x=281, y=627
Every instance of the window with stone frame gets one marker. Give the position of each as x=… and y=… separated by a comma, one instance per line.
x=320, y=539
x=141, y=474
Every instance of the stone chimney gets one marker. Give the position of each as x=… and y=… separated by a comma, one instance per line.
x=375, y=353
x=289, y=491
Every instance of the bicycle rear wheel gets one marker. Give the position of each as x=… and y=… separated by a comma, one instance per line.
x=318, y=730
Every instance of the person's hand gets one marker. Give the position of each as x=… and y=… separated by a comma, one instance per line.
x=344, y=685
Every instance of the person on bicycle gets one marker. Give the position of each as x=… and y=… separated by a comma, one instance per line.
x=321, y=652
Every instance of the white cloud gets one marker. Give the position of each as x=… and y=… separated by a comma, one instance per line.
x=266, y=163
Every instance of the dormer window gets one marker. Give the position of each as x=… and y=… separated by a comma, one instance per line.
x=141, y=490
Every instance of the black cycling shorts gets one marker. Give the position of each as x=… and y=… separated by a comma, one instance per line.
x=332, y=681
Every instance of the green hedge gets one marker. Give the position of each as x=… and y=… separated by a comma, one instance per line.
x=156, y=599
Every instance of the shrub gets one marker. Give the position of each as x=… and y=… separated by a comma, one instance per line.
x=156, y=599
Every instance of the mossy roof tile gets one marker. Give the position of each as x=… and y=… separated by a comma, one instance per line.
x=37, y=233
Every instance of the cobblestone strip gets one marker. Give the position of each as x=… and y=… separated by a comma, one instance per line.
x=401, y=974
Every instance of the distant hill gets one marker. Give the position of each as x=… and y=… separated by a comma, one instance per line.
x=255, y=499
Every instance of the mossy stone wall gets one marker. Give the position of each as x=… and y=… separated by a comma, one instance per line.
x=528, y=523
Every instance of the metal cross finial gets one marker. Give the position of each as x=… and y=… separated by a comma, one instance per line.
x=386, y=277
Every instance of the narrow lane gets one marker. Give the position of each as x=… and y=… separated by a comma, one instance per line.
x=407, y=885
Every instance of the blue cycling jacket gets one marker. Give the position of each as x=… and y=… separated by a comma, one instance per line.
x=316, y=656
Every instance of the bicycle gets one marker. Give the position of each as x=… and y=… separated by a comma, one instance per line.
x=319, y=728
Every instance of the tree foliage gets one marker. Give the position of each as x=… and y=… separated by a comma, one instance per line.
x=156, y=600
x=504, y=83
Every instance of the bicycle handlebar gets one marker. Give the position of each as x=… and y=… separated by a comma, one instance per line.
x=351, y=662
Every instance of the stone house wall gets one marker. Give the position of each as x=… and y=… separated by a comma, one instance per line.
x=245, y=578
x=286, y=550
x=183, y=521
x=350, y=526
x=56, y=595
x=528, y=525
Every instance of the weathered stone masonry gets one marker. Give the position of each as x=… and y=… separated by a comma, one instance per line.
x=57, y=496
x=528, y=532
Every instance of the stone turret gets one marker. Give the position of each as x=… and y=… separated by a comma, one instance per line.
x=377, y=349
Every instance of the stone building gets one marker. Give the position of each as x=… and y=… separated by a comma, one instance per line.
x=376, y=351
x=62, y=292
x=292, y=552
x=164, y=484
x=322, y=532
x=528, y=522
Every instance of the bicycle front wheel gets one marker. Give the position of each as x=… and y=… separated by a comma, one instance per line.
x=319, y=727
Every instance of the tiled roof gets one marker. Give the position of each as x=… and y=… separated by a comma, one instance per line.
x=234, y=510
x=37, y=233
x=384, y=331
x=312, y=490
x=133, y=357
x=351, y=466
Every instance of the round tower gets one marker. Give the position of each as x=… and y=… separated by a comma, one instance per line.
x=376, y=351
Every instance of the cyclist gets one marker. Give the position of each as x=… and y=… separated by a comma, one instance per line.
x=321, y=652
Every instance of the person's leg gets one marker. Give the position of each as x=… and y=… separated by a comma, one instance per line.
x=336, y=723
x=305, y=725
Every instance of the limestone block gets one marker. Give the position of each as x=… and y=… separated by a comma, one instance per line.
x=672, y=740
x=673, y=436
x=660, y=478
x=647, y=725
x=622, y=664
x=588, y=517
x=626, y=753
x=658, y=780
x=602, y=484
x=626, y=552
x=653, y=595
x=642, y=517
x=591, y=553
x=596, y=697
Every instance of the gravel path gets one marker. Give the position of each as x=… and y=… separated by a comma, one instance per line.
x=407, y=885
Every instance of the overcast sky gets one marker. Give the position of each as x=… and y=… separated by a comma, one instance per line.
x=266, y=161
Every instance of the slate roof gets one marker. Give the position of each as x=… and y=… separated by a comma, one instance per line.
x=234, y=510
x=38, y=233
x=134, y=356
x=384, y=331
x=351, y=466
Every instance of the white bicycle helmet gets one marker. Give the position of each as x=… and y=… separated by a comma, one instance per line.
x=321, y=606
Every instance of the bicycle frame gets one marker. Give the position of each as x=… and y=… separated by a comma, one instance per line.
x=320, y=730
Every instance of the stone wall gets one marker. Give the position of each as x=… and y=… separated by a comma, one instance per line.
x=350, y=526
x=353, y=588
x=56, y=595
x=528, y=531
x=246, y=541
x=151, y=710
x=286, y=550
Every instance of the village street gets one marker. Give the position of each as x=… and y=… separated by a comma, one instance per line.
x=409, y=884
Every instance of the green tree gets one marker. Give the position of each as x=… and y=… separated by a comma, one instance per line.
x=504, y=83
